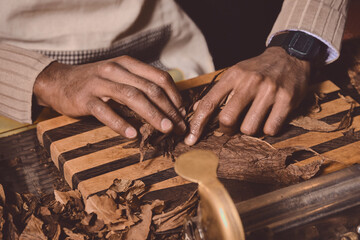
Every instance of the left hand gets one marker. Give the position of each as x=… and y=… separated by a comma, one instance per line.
x=271, y=85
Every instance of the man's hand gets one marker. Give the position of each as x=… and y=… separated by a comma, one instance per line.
x=269, y=86
x=84, y=90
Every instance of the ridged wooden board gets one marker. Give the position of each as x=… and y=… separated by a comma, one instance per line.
x=91, y=156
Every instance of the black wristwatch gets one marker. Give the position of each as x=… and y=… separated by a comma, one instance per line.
x=301, y=45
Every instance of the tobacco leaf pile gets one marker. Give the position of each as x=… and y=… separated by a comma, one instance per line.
x=118, y=213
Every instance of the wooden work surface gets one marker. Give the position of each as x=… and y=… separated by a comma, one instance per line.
x=91, y=156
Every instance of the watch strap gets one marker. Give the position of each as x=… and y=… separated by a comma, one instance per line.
x=301, y=45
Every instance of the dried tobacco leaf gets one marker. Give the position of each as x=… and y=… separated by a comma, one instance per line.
x=250, y=159
x=33, y=230
x=52, y=228
x=354, y=75
x=141, y=230
x=57, y=207
x=353, y=53
x=2, y=221
x=89, y=219
x=351, y=134
x=44, y=211
x=316, y=108
x=112, y=194
x=176, y=217
x=115, y=235
x=56, y=234
x=11, y=230
x=120, y=226
x=64, y=197
x=312, y=124
x=104, y=207
x=2, y=196
x=120, y=185
x=137, y=188
x=97, y=226
x=146, y=132
x=74, y=236
x=30, y=203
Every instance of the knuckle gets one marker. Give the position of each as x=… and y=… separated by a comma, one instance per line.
x=164, y=78
x=285, y=97
x=227, y=119
x=153, y=113
x=131, y=93
x=95, y=108
x=119, y=126
x=234, y=72
x=256, y=76
x=107, y=67
x=271, y=87
x=206, y=106
x=255, y=117
x=124, y=58
x=173, y=114
x=155, y=91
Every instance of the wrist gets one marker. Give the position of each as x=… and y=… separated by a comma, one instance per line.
x=45, y=83
x=301, y=46
x=282, y=54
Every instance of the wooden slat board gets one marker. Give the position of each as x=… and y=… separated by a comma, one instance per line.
x=91, y=156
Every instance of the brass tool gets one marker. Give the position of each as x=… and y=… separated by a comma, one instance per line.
x=219, y=217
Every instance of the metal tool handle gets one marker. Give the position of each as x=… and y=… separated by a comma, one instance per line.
x=302, y=203
x=219, y=217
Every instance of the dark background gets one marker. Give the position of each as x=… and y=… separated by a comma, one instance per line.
x=234, y=29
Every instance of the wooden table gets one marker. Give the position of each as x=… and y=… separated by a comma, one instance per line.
x=91, y=156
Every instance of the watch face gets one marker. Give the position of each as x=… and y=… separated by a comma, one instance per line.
x=300, y=45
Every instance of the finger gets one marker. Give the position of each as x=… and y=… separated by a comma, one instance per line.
x=205, y=108
x=157, y=96
x=138, y=102
x=278, y=115
x=106, y=115
x=259, y=109
x=229, y=116
x=155, y=93
x=161, y=78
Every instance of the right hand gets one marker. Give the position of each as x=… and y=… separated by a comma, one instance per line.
x=81, y=90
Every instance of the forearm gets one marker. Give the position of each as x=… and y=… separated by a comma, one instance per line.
x=18, y=72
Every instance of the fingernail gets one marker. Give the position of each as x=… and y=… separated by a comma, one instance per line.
x=166, y=124
x=190, y=139
x=182, y=111
x=130, y=132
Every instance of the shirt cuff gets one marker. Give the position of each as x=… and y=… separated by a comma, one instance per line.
x=321, y=19
x=19, y=69
x=332, y=52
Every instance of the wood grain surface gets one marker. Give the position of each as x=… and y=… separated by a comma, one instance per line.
x=91, y=156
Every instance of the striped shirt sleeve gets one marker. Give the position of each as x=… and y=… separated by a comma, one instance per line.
x=323, y=19
x=18, y=71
